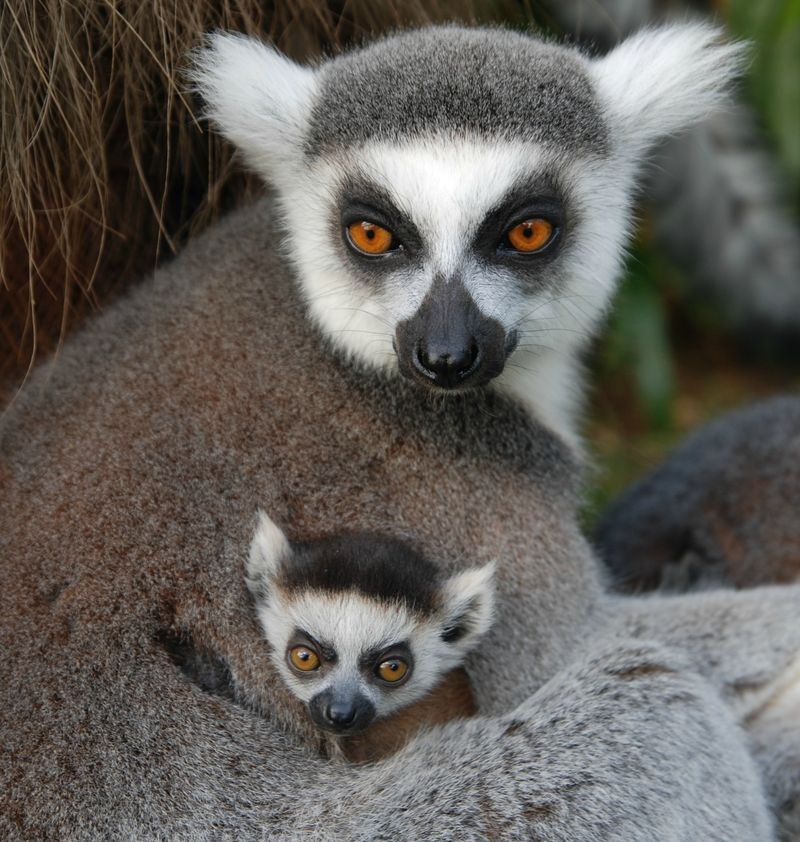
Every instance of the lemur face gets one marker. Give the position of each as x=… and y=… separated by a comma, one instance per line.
x=450, y=257
x=359, y=625
x=456, y=201
x=351, y=659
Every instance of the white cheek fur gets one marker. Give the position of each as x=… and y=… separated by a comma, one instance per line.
x=544, y=373
x=356, y=624
x=447, y=189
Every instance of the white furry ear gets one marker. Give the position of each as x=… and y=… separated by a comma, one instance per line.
x=467, y=606
x=660, y=81
x=257, y=98
x=268, y=549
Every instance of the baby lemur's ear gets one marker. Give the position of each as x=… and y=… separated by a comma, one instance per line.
x=467, y=606
x=662, y=80
x=259, y=99
x=268, y=550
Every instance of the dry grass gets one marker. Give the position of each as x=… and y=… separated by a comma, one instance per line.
x=103, y=168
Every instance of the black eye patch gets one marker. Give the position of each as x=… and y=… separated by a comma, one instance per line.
x=362, y=200
x=538, y=199
x=300, y=637
x=369, y=660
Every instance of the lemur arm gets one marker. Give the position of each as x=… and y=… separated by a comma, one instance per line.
x=743, y=642
x=626, y=744
x=747, y=644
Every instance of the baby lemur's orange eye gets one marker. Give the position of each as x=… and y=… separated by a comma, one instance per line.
x=303, y=658
x=531, y=235
x=369, y=238
x=392, y=670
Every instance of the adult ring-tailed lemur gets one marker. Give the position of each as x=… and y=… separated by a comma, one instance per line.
x=448, y=213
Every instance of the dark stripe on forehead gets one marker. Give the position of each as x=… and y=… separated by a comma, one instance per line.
x=375, y=565
x=492, y=83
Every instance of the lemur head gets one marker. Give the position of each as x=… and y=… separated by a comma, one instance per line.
x=360, y=625
x=456, y=201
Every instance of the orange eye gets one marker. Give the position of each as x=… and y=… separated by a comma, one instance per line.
x=531, y=235
x=369, y=238
x=303, y=658
x=392, y=670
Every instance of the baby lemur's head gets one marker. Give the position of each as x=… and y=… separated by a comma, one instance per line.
x=361, y=625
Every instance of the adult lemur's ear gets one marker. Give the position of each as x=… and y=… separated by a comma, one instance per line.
x=660, y=81
x=268, y=550
x=257, y=98
x=467, y=606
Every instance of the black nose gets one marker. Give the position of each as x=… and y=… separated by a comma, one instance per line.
x=341, y=714
x=341, y=711
x=447, y=364
x=449, y=344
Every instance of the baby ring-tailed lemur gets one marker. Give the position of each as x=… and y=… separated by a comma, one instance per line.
x=362, y=627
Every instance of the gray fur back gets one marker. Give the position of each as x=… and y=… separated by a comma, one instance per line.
x=722, y=509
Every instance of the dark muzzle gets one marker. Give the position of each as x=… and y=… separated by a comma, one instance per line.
x=448, y=343
x=340, y=712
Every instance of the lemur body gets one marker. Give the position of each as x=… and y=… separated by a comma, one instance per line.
x=722, y=510
x=362, y=628
x=132, y=464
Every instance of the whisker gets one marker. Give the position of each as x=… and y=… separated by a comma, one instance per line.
x=556, y=299
x=534, y=348
x=375, y=333
x=355, y=310
x=530, y=331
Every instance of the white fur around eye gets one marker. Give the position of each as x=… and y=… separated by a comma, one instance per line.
x=354, y=624
x=444, y=186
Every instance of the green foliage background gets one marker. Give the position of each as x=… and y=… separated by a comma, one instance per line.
x=669, y=360
x=773, y=26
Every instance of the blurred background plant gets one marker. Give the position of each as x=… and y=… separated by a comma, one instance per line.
x=104, y=172
x=708, y=315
